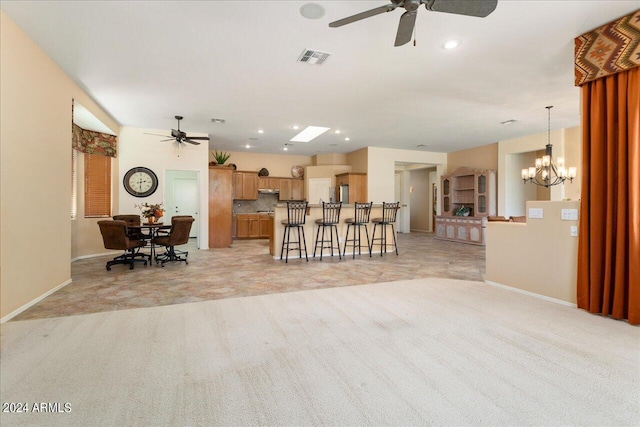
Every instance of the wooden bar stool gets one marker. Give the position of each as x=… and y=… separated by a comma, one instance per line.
x=330, y=218
x=296, y=217
x=362, y=211
x=389, y=212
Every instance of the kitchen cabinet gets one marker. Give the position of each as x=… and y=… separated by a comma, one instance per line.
x=220, y=207
x=264, y=225
x=252, y=226
x=269, y=183
x=291, y=189
x=357, y=184
x=245, y=185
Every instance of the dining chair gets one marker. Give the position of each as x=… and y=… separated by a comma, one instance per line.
x=115, y=236
x=178, y=235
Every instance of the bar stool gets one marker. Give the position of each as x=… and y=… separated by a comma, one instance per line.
x=330, y=218
x=362, y=211
x=389, y=211
x=296, y=216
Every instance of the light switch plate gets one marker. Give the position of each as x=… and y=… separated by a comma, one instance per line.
x=574, y=231
x=536, y=213
x=569, y=214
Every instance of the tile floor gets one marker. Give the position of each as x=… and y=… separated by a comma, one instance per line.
x=247, y=269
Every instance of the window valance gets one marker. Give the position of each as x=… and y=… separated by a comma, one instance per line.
x=90, y=142
x=608, y=49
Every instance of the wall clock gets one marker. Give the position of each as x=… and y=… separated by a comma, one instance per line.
x=140, y=182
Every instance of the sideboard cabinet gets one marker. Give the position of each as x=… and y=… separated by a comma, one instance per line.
x=468, y=197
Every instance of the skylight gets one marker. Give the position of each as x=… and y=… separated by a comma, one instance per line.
x=309, y=133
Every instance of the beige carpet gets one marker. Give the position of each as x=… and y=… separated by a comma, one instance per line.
x=418, y=352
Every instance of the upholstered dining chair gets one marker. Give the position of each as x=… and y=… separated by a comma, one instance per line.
x=114, y=236
x=132, y=220
x=178, y=235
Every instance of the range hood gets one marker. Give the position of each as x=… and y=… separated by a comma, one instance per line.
x=268, y=190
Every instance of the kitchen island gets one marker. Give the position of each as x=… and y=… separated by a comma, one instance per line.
x=314, y=212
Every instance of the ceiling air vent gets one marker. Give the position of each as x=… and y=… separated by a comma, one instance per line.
x=313, y=57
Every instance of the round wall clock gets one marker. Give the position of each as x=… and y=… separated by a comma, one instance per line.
x=140, y=182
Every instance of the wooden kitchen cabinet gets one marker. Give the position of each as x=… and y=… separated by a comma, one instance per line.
x=245, y=185
x=252, y=226
x=220, y=207
x=269, y=183
x=357, y=183
x=291, y=189
x=264, y=225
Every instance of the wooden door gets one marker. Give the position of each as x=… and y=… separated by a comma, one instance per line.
x=220, y=207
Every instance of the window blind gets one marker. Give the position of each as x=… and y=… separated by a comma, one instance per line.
x=97, y=186
x=74, y=183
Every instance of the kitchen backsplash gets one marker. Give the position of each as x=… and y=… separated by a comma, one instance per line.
x=265, y=202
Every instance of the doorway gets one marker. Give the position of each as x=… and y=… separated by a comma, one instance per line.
x=182, y=195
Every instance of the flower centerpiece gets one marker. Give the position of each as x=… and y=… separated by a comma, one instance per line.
x=151, y=211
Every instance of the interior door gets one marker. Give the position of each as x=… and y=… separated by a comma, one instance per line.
x=186, y=200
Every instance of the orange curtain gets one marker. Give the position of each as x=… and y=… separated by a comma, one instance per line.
x=609, y=246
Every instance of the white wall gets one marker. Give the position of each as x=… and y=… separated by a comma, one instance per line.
x=382, y=167
x=566, y=143
x=138, y=149
x=516, y=193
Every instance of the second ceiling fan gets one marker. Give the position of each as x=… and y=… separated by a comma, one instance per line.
x=478, y=8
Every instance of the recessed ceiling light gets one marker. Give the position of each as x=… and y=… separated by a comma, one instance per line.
x=247, y=146
x=295, y=127
x=260, y=131
x=337, y=131
x=309, y=133
x=285, y=148
x=451, y=44
x=347, y=139
x=312, y=11
x=508, y=122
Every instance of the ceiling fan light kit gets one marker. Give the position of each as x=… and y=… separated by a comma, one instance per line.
x=477, y=8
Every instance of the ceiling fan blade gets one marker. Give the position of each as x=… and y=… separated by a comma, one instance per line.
x=479, y=8
x=199, y=137
x=190, y=141
x=156, y=134
x=363, y=15
x=405, y=28
x=165, y=140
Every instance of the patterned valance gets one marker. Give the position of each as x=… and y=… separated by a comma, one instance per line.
x=609, y=49
x=91, y=142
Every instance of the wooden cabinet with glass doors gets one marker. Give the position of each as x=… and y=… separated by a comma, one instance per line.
x=468, y=196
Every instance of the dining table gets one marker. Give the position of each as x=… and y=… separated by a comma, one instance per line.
x=153, y=230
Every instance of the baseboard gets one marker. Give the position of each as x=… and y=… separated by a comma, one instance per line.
x=533, y=294
x=95, y=255
x=15, y=312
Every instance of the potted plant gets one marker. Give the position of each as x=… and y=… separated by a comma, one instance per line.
x=220, y=157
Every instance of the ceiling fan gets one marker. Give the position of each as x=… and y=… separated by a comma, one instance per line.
x=180, y=136
x=478, y=8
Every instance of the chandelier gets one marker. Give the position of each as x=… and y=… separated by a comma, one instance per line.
x=546, y=172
